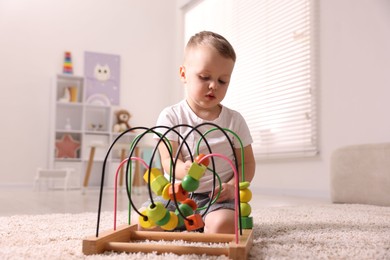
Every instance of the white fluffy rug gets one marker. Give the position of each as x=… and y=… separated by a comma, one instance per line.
x=338, y=231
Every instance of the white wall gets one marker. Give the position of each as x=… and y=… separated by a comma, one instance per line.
x=354, y=76
x=354, y=93
x=33, y=37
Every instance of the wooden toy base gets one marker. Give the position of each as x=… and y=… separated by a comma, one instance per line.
x=121, y=241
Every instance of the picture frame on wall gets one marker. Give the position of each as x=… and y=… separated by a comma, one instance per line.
x=102, y=78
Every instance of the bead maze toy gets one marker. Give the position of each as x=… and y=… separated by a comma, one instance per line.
x=187, y=214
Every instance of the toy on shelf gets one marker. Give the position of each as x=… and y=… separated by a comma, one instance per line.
x=68, y=66
x=186, y=214
x=122, y=116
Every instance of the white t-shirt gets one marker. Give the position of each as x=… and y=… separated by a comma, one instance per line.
x=181, y=113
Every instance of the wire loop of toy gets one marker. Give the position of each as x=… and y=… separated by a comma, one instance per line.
x=162, y=138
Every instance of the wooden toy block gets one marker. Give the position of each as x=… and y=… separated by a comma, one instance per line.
x=123, y=240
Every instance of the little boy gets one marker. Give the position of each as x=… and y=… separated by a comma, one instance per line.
x=208, y=65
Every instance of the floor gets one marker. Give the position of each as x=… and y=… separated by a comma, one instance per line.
x=16, y=201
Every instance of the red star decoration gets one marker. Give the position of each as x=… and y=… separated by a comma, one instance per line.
x=67, y=147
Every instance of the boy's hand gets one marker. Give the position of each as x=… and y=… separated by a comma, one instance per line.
x=227, y=192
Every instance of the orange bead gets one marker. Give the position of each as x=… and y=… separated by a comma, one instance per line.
x=205, y=162
x=194, y=222
x=180, y=193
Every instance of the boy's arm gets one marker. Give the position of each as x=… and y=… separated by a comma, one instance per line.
x=181, y=167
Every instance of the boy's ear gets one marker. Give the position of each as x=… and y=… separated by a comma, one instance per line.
x=183, y=74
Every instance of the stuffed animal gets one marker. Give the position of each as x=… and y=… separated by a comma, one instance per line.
x=123, y=117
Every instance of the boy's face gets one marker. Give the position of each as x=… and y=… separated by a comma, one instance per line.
x=206, y=75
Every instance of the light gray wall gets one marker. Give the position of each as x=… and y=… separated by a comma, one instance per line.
x=33, y=37
x=354, y=76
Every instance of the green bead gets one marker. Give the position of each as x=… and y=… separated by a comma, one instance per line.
x=180, y=220
x=164, y=220
x=247, y=222
x=156, y=212
x=245, y=209
x=173, y=221
x=185, y=209
x=189, y=184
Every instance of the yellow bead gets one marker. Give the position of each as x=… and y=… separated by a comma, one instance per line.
x=154, y=172
x=173, y=221
x=158, y=184
x=145, y=222
x=156, y=212
x=197, y=171
x=245, y=195
x=165, y=192
x=245, y=209
x=244, y=185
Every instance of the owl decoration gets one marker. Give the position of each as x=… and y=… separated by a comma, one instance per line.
x=102, y=73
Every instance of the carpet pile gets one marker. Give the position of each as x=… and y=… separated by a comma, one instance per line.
x=328, y=231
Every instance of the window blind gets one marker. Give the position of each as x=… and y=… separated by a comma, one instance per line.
x=274, y=81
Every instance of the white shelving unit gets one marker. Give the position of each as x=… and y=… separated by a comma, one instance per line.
x=87, y=125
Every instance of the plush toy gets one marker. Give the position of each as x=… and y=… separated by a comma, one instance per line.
x=123, y=117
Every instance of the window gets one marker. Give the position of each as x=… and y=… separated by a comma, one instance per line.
x=274, y=81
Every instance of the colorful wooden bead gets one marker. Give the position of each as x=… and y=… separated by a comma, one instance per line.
x=247, y=222
x=245, y=209
x=196, y=170
x=190, y=184
x=172, y=223
x=156, y=212
x=164, y=220
x=154, y=172
x=186, y=210
x=194, y=222
x=199, y=159
x=145, y=221
x=165, y=191
x=191, y=203
x=180, y=193
x=180, y=220
x=244, y=185
x=245, y=195
x=158, y=184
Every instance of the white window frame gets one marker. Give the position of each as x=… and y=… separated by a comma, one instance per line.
x=293, y=132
